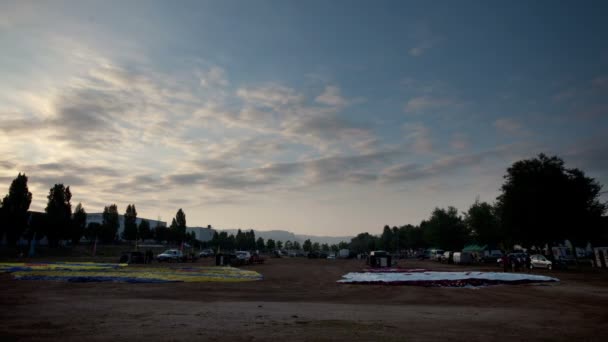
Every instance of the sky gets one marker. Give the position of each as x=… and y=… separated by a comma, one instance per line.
x=318, y=117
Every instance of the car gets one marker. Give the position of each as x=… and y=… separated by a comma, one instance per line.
x=447, y=257
x=539, y=261
x=331, y=257
x=437, y=254
x=170, y=255
x=205, y=253
x=242, y=255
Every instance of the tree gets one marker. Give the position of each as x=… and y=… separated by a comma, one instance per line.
x=316, y=247
x=130, y=223
x=325, y=247
x=270, y=245
x=387, y=238
x=445, y=229
x=110, y=224
x=279, y=245
x=143, y=230
x=92, y=231
x=543, y=202
x=483, y=224
x=296, y=245
x=260, y=244
x=178, y=226
x=363, y=243
x=307, y=246
x=59, y=214
x=79, y=222
x=14, y=209
x=288, y=245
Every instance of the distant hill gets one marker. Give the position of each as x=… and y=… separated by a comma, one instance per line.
x=283, y=235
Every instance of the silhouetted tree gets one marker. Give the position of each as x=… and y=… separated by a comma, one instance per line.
x=260, y=244
x=143, y=230
x=445, y=229
x=92, y=231
x=110, y=224
x=307, y=246
x=14, y=209
x=59, y=214
x=296, y=245
x=544, y=202
x=79, y=222
x=130, y=223
x=270, y=244
x=483, y=224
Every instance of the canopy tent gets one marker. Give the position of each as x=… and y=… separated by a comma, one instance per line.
x=475, y=248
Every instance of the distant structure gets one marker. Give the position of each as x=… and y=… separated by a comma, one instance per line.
x=202, y=233
x=98, y=218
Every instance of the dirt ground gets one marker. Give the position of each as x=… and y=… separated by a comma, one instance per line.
x=298, y=300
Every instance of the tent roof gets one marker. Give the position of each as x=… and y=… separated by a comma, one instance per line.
x=474, y=248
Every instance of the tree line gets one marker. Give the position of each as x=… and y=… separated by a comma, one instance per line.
x=541, y=203
x=59, y=222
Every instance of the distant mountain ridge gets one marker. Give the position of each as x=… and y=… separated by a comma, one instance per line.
x=284, y=235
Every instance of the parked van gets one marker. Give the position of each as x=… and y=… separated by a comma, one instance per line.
x=463, y=258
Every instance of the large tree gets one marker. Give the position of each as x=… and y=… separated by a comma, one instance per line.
x=79, y=222
x=483, y=223
x=59, y=214
x=178, y=226
x=445, y=229
x=14, y=209
x=130, y=223
x=543, y=202
x=143, y=230
x=110, y=224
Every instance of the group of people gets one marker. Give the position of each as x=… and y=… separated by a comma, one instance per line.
x=516, y=261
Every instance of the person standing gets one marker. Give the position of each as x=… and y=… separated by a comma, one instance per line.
x=505, y=262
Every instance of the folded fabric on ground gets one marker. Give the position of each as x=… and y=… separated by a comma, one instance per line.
x=72, y=272
x=443, y=279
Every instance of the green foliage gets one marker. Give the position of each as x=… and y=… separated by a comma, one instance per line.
x=445, y=229
x=325, y=247
x=130, y=223
x=316, y=247
x=544, y=202
x=279, y=245
x=178, y=227
x=92, y=231
x=79, y=221
x=296, y=245
x=143, y=230
x=260, y=244
x=59, y=214
x=110, y=224
x=13, y=212
x=483, y=223
x=307, y=246
x=270, y=244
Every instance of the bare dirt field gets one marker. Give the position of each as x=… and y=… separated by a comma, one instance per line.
x=299, y=299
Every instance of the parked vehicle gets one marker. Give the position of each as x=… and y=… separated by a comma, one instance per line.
x=539, y=261
x=170, y=255
x=205, y=253
x=436, y=254
x=492, y=257
x=447, y=257
x=463, y=258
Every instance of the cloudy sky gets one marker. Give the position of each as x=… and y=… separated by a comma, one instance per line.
x=319, y=117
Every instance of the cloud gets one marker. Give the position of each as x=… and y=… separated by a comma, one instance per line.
x=509, y=126
x=459, y=141
x=424, y=38
x=419, y=137
x=269, y=95
x=331, y=96
x=428, y=103
x=213, y=77
x=600, y=81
